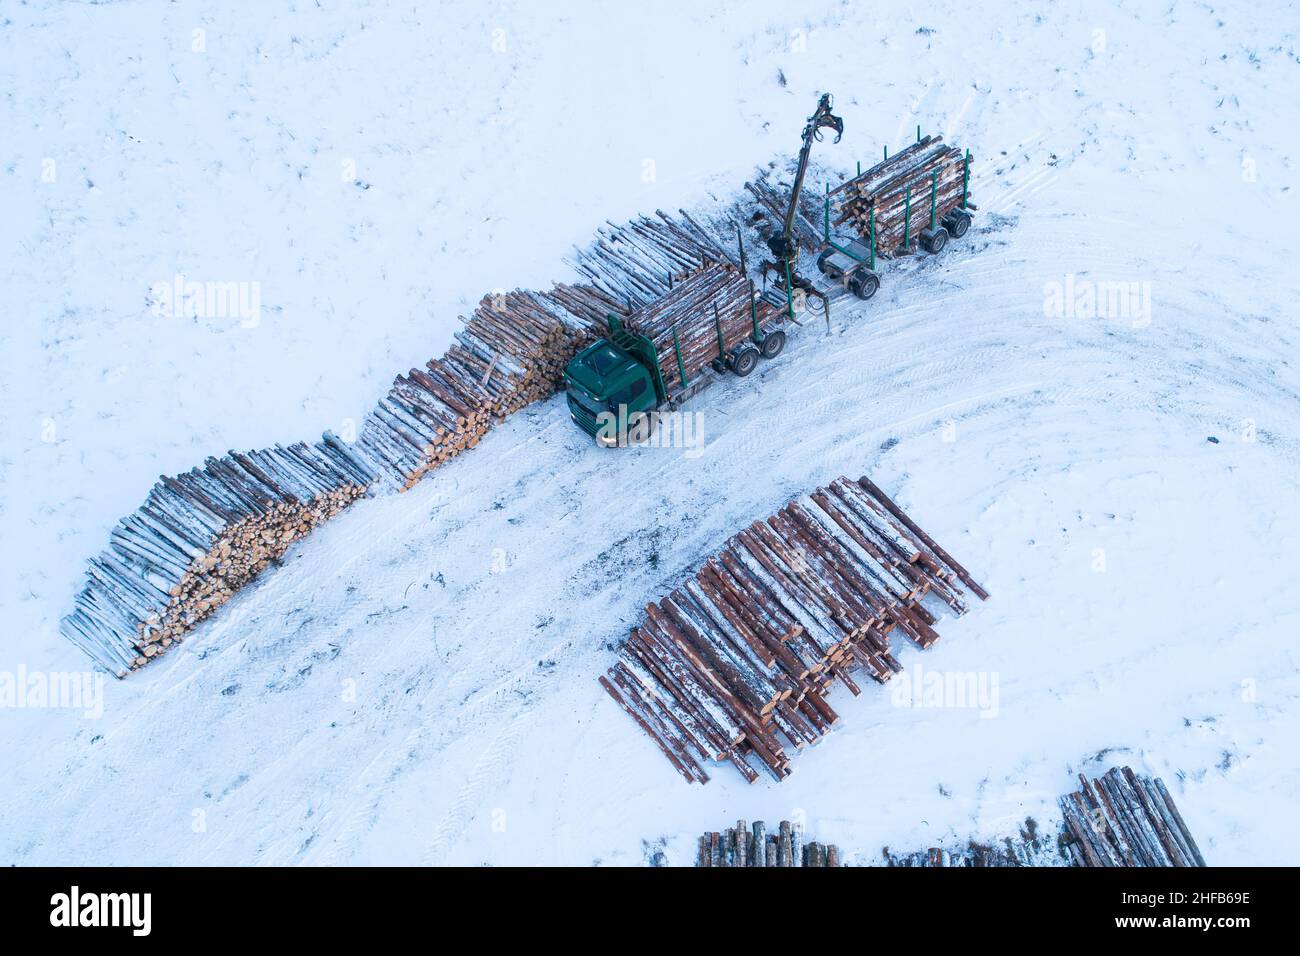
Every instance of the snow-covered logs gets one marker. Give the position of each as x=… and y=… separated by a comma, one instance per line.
x=737, y=662
x=704, y=316
x=199, y=537
x=742, y=846
x=895, y=195
x=511, y=352
x=638, y=262
x=1126, y=819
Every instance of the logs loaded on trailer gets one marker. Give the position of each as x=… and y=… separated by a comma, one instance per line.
x=1126, y=819
x=199, y=537
x=741, y=846
x=707, y=319
x=736, y=663
x=640, y=261
x=919, y=196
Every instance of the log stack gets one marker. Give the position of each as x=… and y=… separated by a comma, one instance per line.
x=737, y=662
x=638, y=262
x=1126, y=819
x=739, y=846
x=199, y=537
x=511, y=352
x=876, y=199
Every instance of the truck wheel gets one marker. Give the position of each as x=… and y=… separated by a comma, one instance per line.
x=772, y=345
x=743, y=362
x=821, y=261
x=864, y=284
x=938, y=239
x=958, y=224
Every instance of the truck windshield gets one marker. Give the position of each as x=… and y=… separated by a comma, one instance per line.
x=624, y=396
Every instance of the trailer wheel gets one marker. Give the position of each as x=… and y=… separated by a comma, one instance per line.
x=864, y=284
x=821, y=261
x=743, y=362
x=958, y=224
x=773, y=343
x=937, y=240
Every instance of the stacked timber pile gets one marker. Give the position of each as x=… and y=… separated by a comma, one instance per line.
x=638, y=262
x=201, y=536
x=878, y=201
x=743, y=654
x=1124, y=819
x=739, y=846
x=715, y=300
x=511, y=352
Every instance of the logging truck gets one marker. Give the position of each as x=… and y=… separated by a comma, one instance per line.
x=657, y=357
x=662, y=354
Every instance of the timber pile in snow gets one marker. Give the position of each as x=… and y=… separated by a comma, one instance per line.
x=201, y=536
x=879, y=199
x=1125, y=819
x=715, y=301
x=511, y=352
x=742, y=656
x=740, y=846
x=640, y=261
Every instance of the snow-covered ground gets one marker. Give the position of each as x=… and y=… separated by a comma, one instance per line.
x=418, y=682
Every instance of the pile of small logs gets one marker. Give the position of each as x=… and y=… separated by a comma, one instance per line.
x=689, y=318
x=638, y=262
x=876, y=200
x=1125, y=819
x=739, y=846
x=199, y=537
x=744, y=653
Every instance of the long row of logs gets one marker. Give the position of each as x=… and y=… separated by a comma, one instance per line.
x=739, y=846
x=892, y=199
x=1126, y=819
x=741, y=657
x=511, y=352
x=199, y=537
x=1121, y=819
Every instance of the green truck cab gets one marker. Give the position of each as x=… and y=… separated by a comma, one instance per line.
x=620, y=372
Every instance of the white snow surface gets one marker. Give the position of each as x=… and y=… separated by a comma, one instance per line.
x=417, y=684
